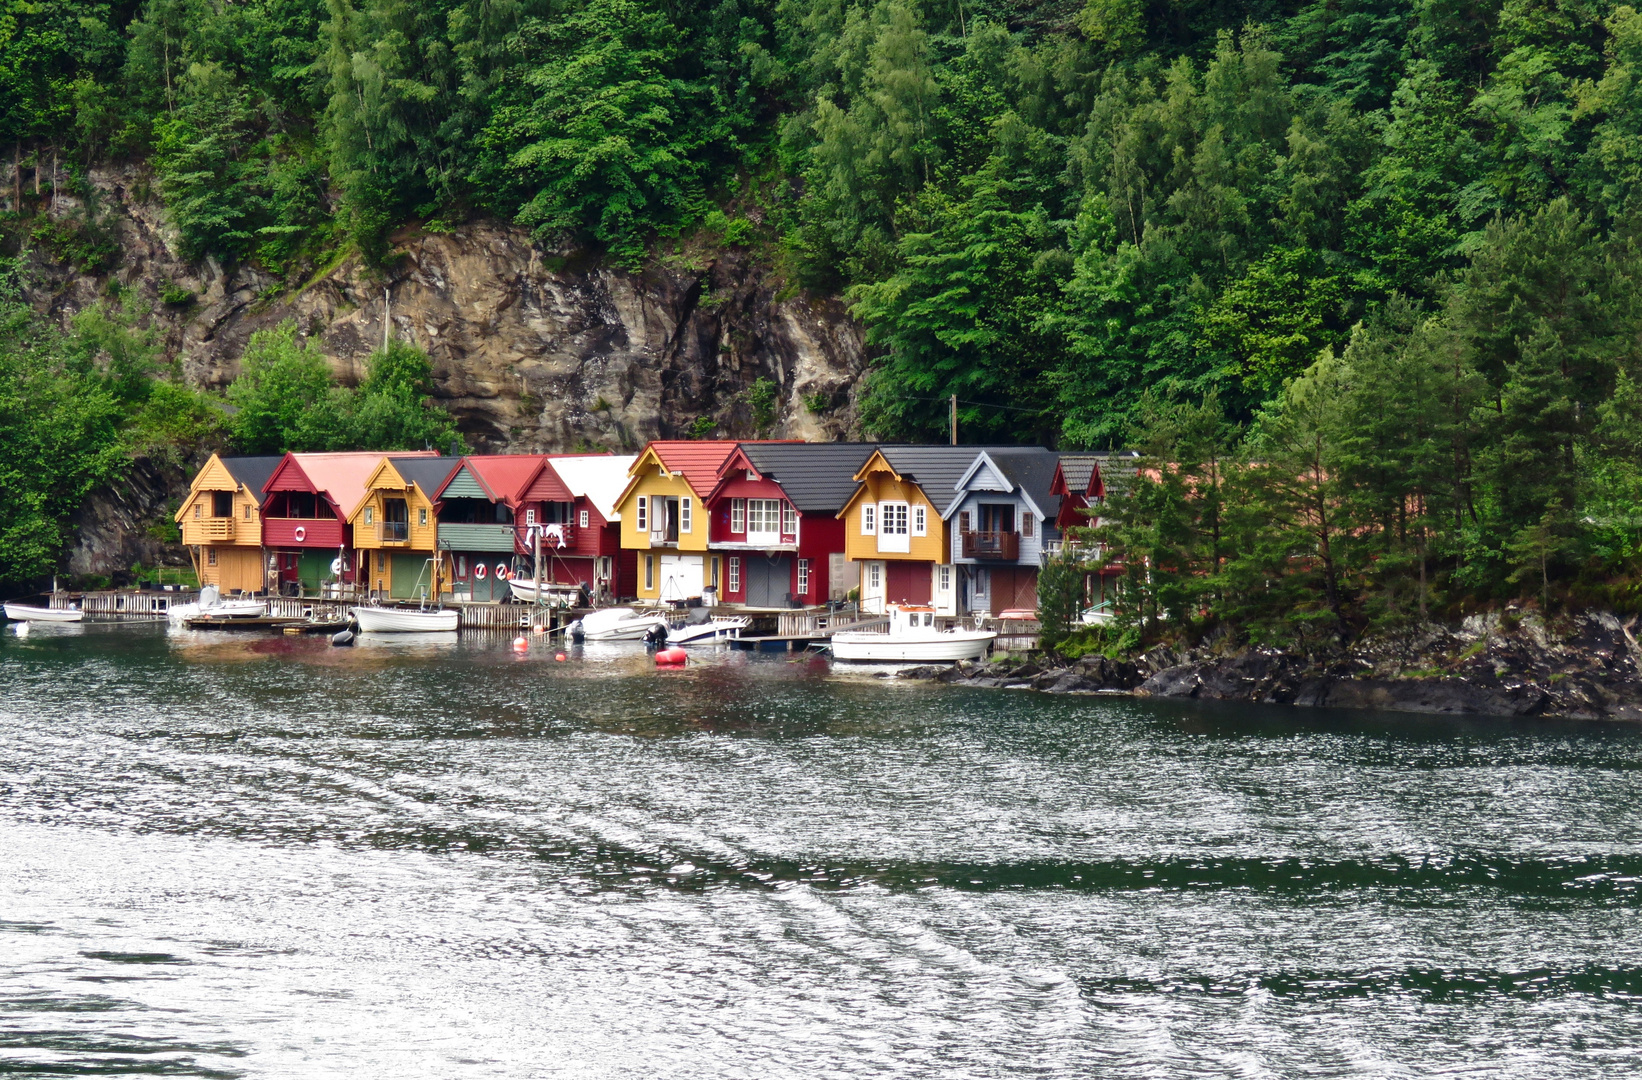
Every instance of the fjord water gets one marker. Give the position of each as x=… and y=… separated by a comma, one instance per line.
x=225, y=856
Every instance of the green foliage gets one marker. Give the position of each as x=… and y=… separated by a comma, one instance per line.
x=284, y=399
x=763, y=398
x=1060, y=596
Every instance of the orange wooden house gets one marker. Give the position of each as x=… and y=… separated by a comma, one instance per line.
x=221, y=522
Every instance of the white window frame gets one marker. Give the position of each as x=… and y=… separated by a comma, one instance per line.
x=894, y=528
x=738, y=515
x=869, y=519
x=875, y=576
x=581, y=519
x=734, y=575
x=920, y=521
x=764, y=521
x=943, y=577
x=789, y=520
x=530, y=517
x=684, y=514
x=370, y=515
x=643, y=522
x=422, y=516
x=803, y=577
x=649, y=572
x=199, y=511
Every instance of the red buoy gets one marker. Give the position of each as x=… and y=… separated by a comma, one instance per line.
x=671, y=657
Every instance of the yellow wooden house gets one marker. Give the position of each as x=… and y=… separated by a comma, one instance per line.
x=222, y=522
x=395, y=527
x=895, y=527
x=664, y=517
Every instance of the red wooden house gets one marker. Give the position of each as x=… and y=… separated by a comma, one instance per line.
x=306, y=504
x=774, y=526
x=571, y=502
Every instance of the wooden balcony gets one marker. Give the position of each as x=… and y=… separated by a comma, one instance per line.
x=211, y=530
x=301, y=532
x=392, y=532
x=1002, y=546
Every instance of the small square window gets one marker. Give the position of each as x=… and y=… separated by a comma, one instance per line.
x=210, y=556
x=581, y=519
x=422, y=515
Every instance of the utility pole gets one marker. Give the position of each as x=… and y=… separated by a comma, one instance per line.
x=954, y=419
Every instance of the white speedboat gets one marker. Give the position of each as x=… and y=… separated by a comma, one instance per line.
x=392, y=620
x=30, y=613
x=211, y=605
x=708, y=631
x=524, y=591
x=913, y=638
x=615, y=624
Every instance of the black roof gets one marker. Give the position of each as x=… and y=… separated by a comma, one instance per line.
x=427, y=473
x=252, y=472
x=937, y=469
x=819, y=478
x=1032, y=469
x=1078, y=468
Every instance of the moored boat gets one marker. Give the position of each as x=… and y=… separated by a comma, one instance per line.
x=707, y=631
x=524, y=591
x=30, y=613
x=615, y=624
x=386, y=620
x=211, y=605
x=913, y=638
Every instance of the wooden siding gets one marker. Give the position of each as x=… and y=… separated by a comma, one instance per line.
x=878, y=486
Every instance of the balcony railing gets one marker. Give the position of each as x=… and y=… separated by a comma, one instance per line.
x=554, y=537
x=464, y=536
x=1005, y=546
x=393, y=532
x=215, y=528
x=661, y=538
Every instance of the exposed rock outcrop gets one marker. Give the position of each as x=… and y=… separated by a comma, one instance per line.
x=1584, y=666
x=532, y=350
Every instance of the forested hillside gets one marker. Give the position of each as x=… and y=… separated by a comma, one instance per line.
x=1075, y=215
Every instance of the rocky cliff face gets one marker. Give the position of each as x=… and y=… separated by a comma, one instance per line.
x=531, y=351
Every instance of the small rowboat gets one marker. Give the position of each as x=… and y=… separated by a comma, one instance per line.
x=386, y=620
x=30, y=613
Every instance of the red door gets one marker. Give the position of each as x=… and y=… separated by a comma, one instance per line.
x=906, y=582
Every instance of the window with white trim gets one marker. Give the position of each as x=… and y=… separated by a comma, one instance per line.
x=199, y=511
x=789, y=519
x=684, y=514
x=943, y=578
x=895, y=520
x=581, y=519
x=803, y=577
x=735, y=573
x=738, y=515
x=919, y=526
x=764, y=519
x=370, y=515
x=643, y=522
x=1027, y=527
x=422, y=516
x=875, y=576
x=649, y=571
x=530, y=517
x=869, y=519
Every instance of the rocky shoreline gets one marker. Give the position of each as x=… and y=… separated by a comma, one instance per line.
x=1584, y=666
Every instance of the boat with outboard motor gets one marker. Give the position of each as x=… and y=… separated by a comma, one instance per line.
x=701, y=627
x=913, y=638
x=393, y=620
x=211, y=605
x=616, y=624
x=30, y=613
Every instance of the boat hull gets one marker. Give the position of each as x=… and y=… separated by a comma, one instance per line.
x=525, y=591
x=405, y=621
x=708, y=632
x=617, y=624
x=30, y=613
x=912, y=648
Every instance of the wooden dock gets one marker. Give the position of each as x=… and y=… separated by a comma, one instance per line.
x=142, y=605
x=818, y=632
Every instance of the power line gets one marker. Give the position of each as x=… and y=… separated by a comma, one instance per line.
x=977, y=404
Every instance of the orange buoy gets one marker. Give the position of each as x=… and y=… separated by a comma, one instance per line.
x=520, y=643
x=559, y=656
x=671, y=657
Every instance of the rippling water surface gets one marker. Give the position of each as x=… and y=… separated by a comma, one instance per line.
x=223, y=856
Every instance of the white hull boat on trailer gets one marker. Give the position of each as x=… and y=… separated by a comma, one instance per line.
x=30, y=613
x=615, y=624
x=913, y=638
x=211, y=605
x=387, y=620
x=722, y=628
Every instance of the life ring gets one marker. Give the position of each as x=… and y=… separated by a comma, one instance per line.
x=336, y=565
x=301, y=534
x=480, y=570
x=503, y=573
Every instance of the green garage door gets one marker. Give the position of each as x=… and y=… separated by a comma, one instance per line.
x=312, y=567
x=412, y=577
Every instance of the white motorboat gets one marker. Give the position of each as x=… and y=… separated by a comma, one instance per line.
x=913, y=638
x=211, y=605
x=30, y=613
x=392, y=620
x=524, y=591
x=707, y=631
x=615, y=624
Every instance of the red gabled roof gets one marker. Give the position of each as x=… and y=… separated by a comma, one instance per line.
x=505, y=476
x=545, y=485
x=699, y=462
x=339, y=477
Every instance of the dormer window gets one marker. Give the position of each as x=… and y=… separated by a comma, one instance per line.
x=751, y=475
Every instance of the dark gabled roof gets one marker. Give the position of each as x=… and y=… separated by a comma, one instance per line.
x=1117, y=468
x=1079, y=469
x=427, y=473
x=819, y=478
x=937, y=469
x=1032, y=469
x=252, y=472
